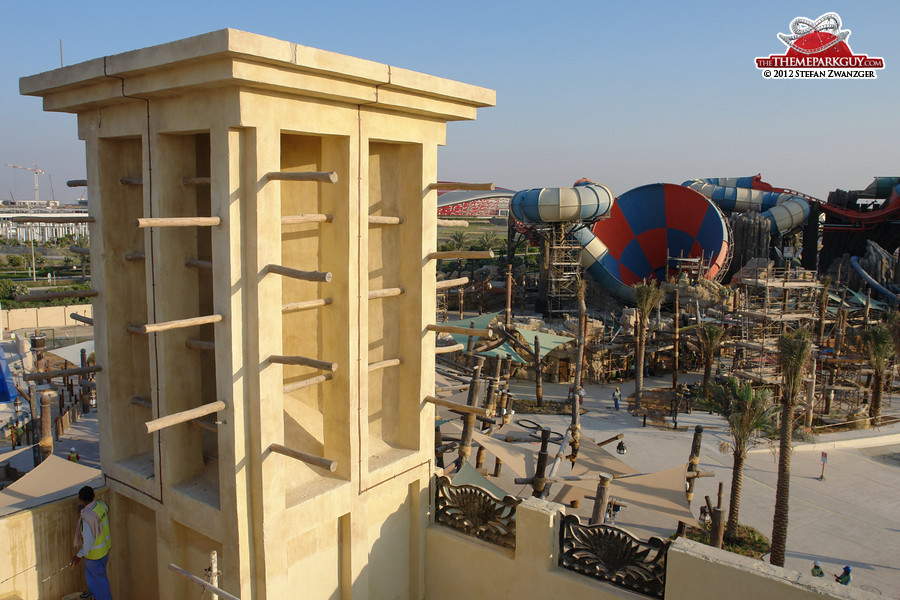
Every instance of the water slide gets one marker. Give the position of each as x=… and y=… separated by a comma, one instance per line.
x=635, y=235
x=786, y=209
x=891, y=296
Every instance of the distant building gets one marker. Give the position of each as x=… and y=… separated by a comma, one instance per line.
x=475, y=205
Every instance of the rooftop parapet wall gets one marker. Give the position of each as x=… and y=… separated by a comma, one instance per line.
x=229, y=57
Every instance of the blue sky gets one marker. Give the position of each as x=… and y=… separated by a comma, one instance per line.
x=625, y=93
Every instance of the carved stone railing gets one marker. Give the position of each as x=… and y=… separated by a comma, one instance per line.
x=475, y=512
x=611, y=554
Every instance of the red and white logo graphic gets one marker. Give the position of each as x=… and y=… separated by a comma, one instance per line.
x=818, y=49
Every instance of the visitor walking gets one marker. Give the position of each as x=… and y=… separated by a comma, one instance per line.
x=617, y=397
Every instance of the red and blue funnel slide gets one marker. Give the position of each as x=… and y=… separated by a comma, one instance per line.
x=647, y=227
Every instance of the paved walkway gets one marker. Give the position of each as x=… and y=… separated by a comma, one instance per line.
x=850, y=518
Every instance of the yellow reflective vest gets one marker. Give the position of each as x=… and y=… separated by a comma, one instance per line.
x=102, y=543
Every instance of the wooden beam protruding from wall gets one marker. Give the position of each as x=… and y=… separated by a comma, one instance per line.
x=319, y=176
x=304, y=361
x=176, y=324
x=311, y=459
x=324, y=276
x=178, y=222
x=184, y=416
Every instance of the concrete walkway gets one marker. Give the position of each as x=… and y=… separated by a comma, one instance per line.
x=850, y=518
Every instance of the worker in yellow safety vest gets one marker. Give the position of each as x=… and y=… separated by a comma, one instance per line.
x=74, y=456
x=93, y=541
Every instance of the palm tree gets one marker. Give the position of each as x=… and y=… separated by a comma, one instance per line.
x=488, y=240
x=709, y=336
x=459, y=240
x=793, y=354
x=747, y=411
x=879, y=345
x=647, y=296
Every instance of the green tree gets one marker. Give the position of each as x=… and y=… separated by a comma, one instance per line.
x=68, y=261
x=647, y=296
x=747, y=412
x=793, y=355
x=459, y=240
x=14, y=260
x=10, y=289
x=879, y=345
x=40, y=260
x=488, y=240
x=709, y=337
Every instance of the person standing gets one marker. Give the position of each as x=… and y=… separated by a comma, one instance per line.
x=817, y=570
x=74, y=456
x=93, y=541
x=843, y=578
x=617, y=397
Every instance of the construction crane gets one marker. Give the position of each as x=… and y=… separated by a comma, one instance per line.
x=37, y=172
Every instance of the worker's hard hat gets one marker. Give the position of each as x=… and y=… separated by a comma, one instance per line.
x=815, y=562
x=72, y=449
x=617, y=389
x=848, y=569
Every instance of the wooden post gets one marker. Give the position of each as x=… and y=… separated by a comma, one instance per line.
x=214, y=572
x=540, y=470
x=694, y=460
x=498, y=466
x=717, y=527
x=46, y=426
x=318, y=176
x=720, y=495
x=201, y=582
x=507, y=320
x=470, y=331
x=85, y=390
x=479, y=457
x=465, y=443
x=462, y=293
x=40, y=296
x=310, y=459
x=323, y=276
x=184, y=416
x=470, y=345
x=538, y=374
x=323, y=365
x=676, y=327
x=601, y=500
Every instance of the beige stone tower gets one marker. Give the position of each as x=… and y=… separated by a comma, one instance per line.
x=285, y=312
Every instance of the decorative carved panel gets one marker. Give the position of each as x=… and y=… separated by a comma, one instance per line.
x=475, y=512
x=611, y=554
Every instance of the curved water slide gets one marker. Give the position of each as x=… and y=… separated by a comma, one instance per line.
x=634, y=236
x=785, y=209
x=891, y=296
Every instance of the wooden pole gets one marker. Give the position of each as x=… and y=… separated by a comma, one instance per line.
x=324, y=276
x=676, y=328
x=461, y=254
x=46, y=426
x=382, y=220
x=80, y=250
x=391, y=362
x=449, y=283
x=601, y=500
x=717, y=527
x=192, y=181
x=311, y=459
x=451, y=223
x=133, y=181
x=538, y=373
x=201, y=582
x=479, y=457
x=470, y=331
x=195, y=344
x=72, y=183
x=507, y=320
x=498, y=467
x=458, y=185
x=80, y=319
x=50, y=219
x=463, y=408
x=449, y=349
x=385, y=293
x=43, y=375
x=308, y=382
x=461, y=293
x=540, y=470
x=304, y=361
x=291, y=306
x=214, y=572
x=307, y=218
x=178, y=222
x=133, y=256
x=694, y=460
x=319, y=176
x=199, y=264
x=184, y=416
x=177, y=324
x=465, y=443
x=57, y=295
